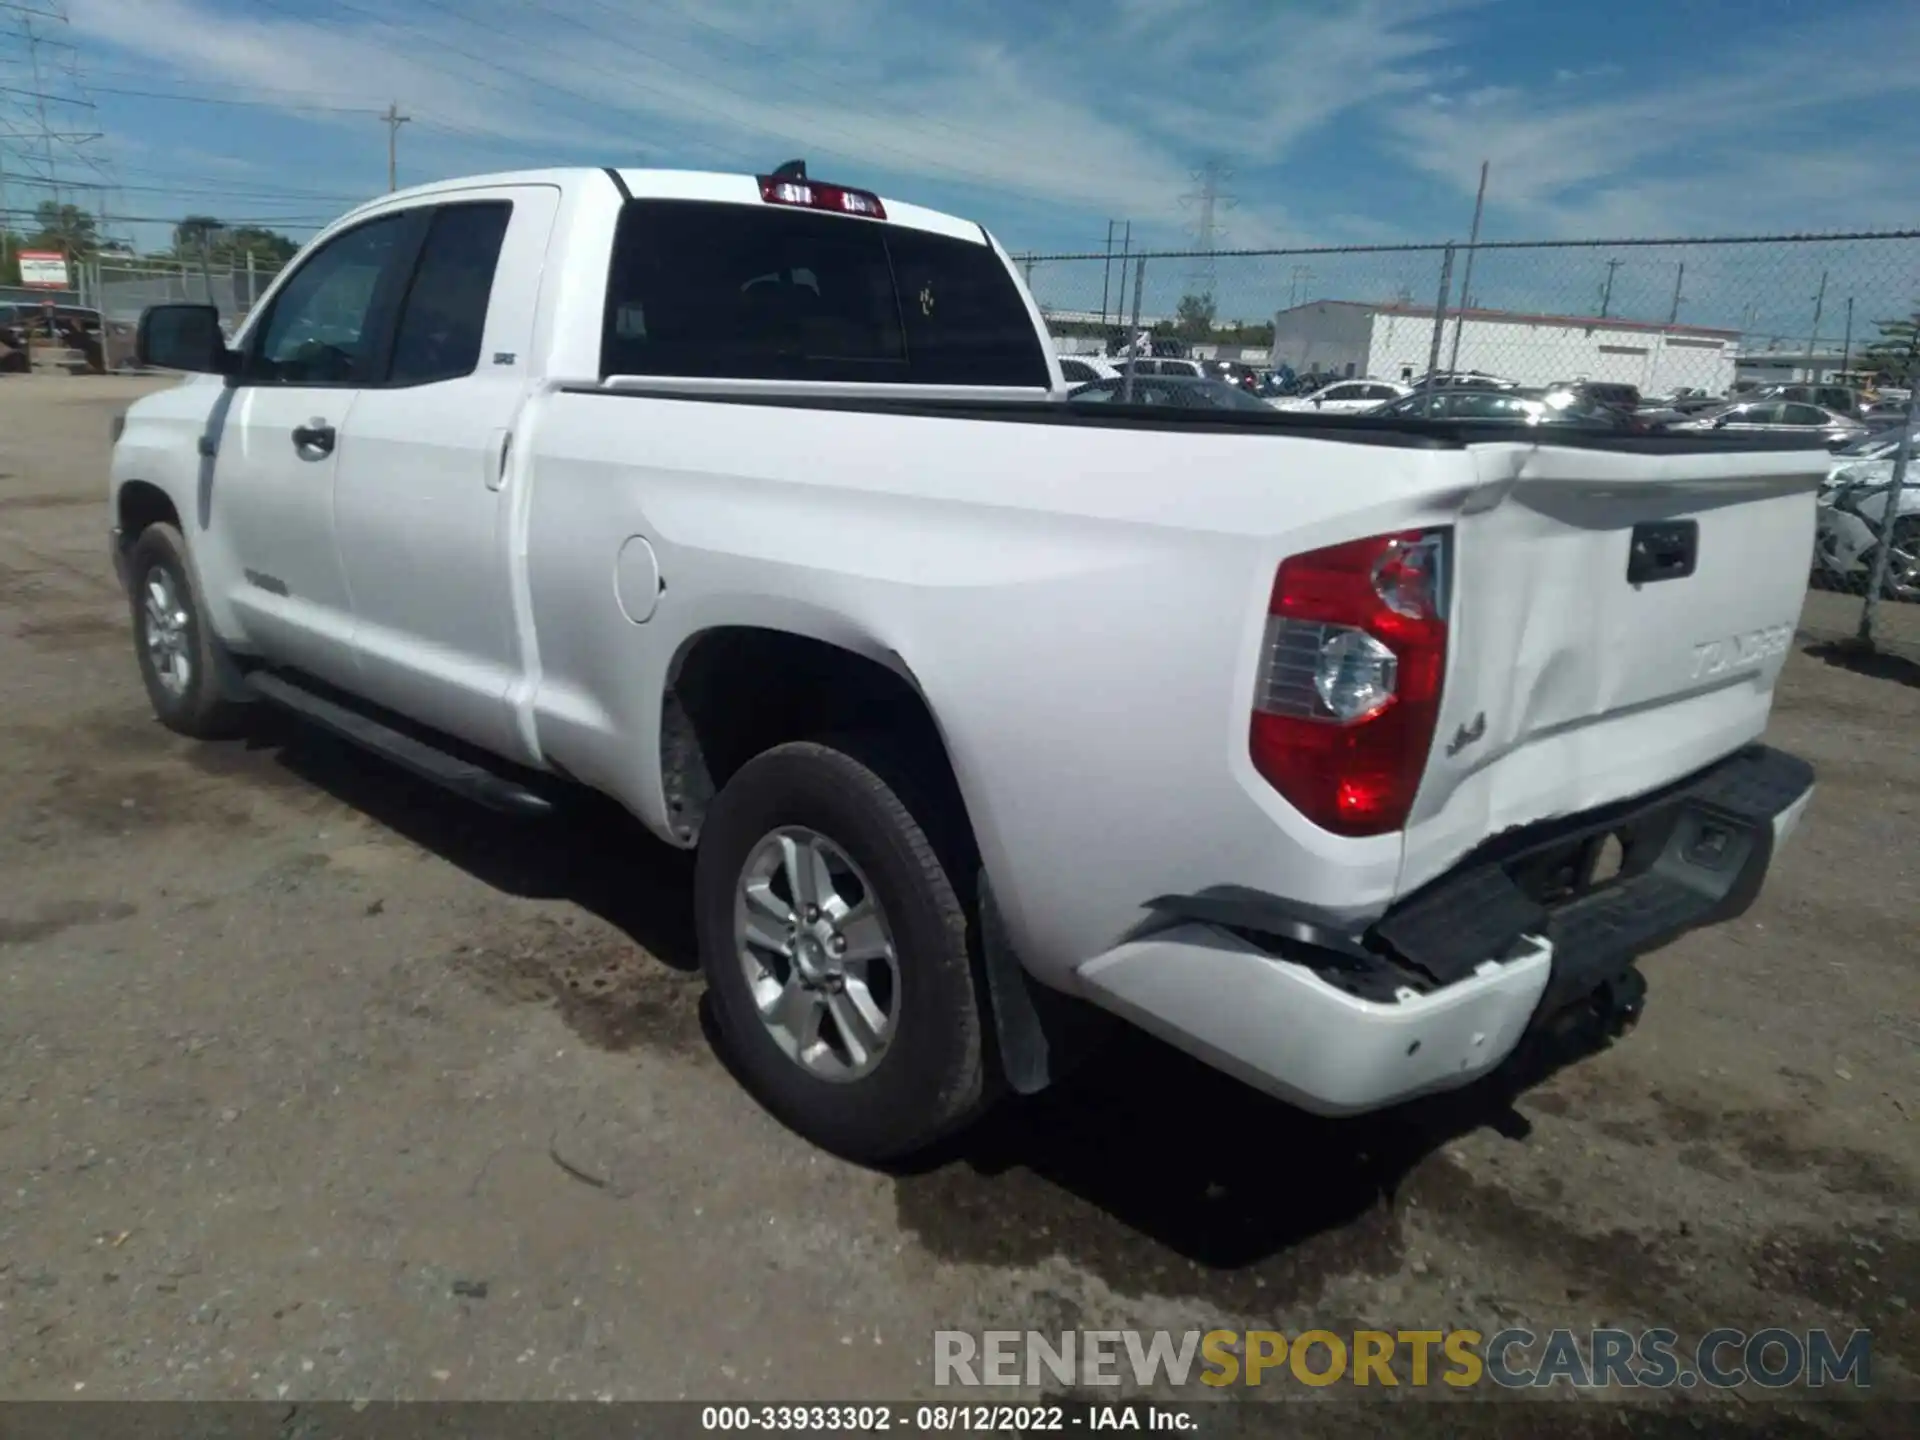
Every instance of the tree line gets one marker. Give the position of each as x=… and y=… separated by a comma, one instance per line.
x=75, y=232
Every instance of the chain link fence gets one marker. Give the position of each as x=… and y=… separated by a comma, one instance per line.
x=123, y=290
x=118, y=290
x=1813, y=334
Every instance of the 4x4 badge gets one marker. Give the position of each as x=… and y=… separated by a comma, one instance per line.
x=1467, y=734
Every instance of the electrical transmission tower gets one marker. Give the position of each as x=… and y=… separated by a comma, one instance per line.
x=49, y=132
x=1209, y=200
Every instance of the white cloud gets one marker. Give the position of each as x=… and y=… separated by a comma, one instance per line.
x=1698, y=149
x=1077, y=113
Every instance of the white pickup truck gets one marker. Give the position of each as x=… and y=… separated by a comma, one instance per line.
x=1344, y=753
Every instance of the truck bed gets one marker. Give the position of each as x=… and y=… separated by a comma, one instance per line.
x=1396, y=431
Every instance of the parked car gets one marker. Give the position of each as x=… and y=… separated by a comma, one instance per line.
x=1510, y=407
x=1658, y=416
x=1603, y=392
x=1679, y=405
x=1348, y=397
x=84, y=332
x=1148, y=365
x=1080, y=369
x=1764, y=414
x=1188, y=392
x=978, y=707
x=1237, y=373
x=1470, y=379
x=1841, y=399
x=1851, y=521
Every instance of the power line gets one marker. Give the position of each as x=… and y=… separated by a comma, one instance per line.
x=723, y=112
x=464, y=77
x=790, y=65
x=215, y=189
x=15, y=213
x=216, y=100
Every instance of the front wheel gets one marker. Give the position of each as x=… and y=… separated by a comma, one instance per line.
x=835, y=947
x=177, y=652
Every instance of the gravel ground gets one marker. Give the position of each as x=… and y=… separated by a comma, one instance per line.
x=316, y=1084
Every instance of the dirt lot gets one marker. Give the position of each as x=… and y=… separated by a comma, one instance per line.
x=317, y=1084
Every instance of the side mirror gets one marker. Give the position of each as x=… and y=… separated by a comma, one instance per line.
x=1318, y=402
x=184, y=337
x=1720, y=422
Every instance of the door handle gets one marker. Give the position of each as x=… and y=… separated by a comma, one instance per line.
x=499, y=456
x=316, y=435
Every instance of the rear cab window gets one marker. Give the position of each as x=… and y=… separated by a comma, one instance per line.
x=726, y=291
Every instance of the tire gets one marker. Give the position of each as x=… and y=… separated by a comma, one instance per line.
x=187, y=701
x=927, y=1076
x=1903, y=574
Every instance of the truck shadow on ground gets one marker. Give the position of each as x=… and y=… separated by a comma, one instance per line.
x=1145, y=1167
x=1163, y=1176
x=593, y=854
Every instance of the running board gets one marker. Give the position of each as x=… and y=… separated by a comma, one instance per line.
x=450, y=772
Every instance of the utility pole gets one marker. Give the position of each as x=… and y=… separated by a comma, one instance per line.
x=1126, y=248
x=206, y=261
x=1466, y=276
x=1106, y=276
x=1439, y=324
x=1673, y=310
x=1606, y=294
x=1846, y=347
x=1813, y=340
x=393, y=120
x=1139, y=284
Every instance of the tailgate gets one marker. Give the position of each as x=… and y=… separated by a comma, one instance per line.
x=1619, y=621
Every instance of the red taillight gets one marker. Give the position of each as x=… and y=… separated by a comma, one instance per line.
x=813, y=195
x=1349, y=687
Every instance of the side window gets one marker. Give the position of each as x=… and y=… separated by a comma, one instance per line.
x=1805, y=415
x=445, y=312
x=767, y=293
x=1766, y=414
x=326, y=328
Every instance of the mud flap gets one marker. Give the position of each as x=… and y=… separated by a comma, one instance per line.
x=1040, y=1033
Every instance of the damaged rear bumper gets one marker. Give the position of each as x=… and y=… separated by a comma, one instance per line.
x=1450, y=981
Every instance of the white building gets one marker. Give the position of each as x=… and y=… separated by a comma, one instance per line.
x=1395, y=342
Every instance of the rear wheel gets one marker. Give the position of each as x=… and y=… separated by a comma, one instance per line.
x=835, y=946
x=179, y=658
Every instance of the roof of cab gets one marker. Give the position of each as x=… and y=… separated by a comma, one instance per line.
x=649, y=184
x=745, y=190
x=644, y=184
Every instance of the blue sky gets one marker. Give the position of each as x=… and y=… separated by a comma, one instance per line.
x=1342, y=121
